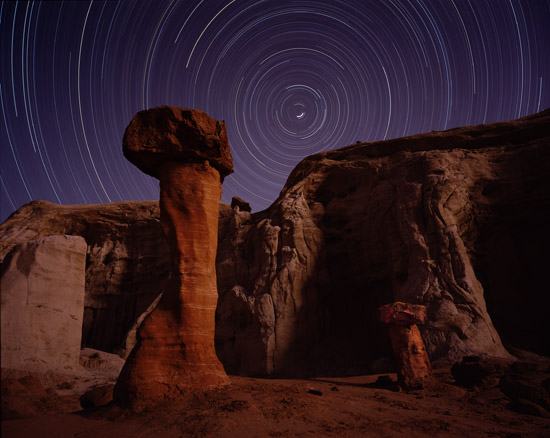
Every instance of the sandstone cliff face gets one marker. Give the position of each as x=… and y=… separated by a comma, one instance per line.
x=127, y=259
x=41, y=309
x=424, y=219
x=455, y=220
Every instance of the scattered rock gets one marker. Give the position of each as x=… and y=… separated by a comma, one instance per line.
x=101, y=362
x=526, y=393
x=528, y=407
x=476, y=371
x=516, y=387
x=97, y=396
x=384, y=380
x=34, y=394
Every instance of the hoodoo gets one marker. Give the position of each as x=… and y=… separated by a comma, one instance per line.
x=189, y=153
x=411, y=360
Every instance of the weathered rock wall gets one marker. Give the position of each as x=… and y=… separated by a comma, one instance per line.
x=42, y=294
x=127, y=259
x=455, y=220
x=430, y=219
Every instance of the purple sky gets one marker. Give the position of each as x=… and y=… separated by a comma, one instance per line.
x=290, y=78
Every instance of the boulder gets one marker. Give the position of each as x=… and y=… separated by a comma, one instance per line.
x=402, y=314
x=97, y=396
x=238, y=202
x=478, y=371
x=170, y=134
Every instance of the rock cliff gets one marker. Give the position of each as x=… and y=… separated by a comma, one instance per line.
x=456, y=221
x=41, y=309
x=127, y=259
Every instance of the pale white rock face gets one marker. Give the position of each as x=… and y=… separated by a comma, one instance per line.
x=42, y=296
x=127, y=264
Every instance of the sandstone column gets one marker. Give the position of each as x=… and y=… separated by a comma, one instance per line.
x=410, y=356
x=188, y=152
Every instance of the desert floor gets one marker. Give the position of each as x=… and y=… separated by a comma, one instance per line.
x=319, y=407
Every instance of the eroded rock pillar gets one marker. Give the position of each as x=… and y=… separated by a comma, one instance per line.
x=411, y=359
x=175, y=347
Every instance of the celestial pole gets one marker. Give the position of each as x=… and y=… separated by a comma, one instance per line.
x=290, y=78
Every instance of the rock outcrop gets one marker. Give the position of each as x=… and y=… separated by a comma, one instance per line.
x=411, y=360
x=169, y=134
x=189, y=153
x=127, y=259
x=42, y=294
x=456, y=221
x=47, y=390
x=242, y=204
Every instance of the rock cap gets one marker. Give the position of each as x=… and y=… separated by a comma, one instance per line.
x=167, y=133
x=400, y=313
x=238, y=202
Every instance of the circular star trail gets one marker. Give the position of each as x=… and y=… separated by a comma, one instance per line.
x=290, y=78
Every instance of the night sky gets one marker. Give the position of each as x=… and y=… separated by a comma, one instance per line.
x=290, y=78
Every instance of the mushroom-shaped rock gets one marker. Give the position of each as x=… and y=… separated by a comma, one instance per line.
x=170, y=134
x=238, y=202
x=188, y=151
x=411, y=359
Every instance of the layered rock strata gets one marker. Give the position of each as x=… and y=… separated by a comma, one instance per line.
x=189, y=153
x=456, y=221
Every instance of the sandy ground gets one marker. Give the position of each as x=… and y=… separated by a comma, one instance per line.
x=320, y=407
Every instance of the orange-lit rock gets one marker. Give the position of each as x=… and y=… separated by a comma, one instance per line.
x=175, y=345
x=402, y=314
x=411, y=359
x=167, y=133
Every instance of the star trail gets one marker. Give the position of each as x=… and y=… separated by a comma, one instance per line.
x=290, y=78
